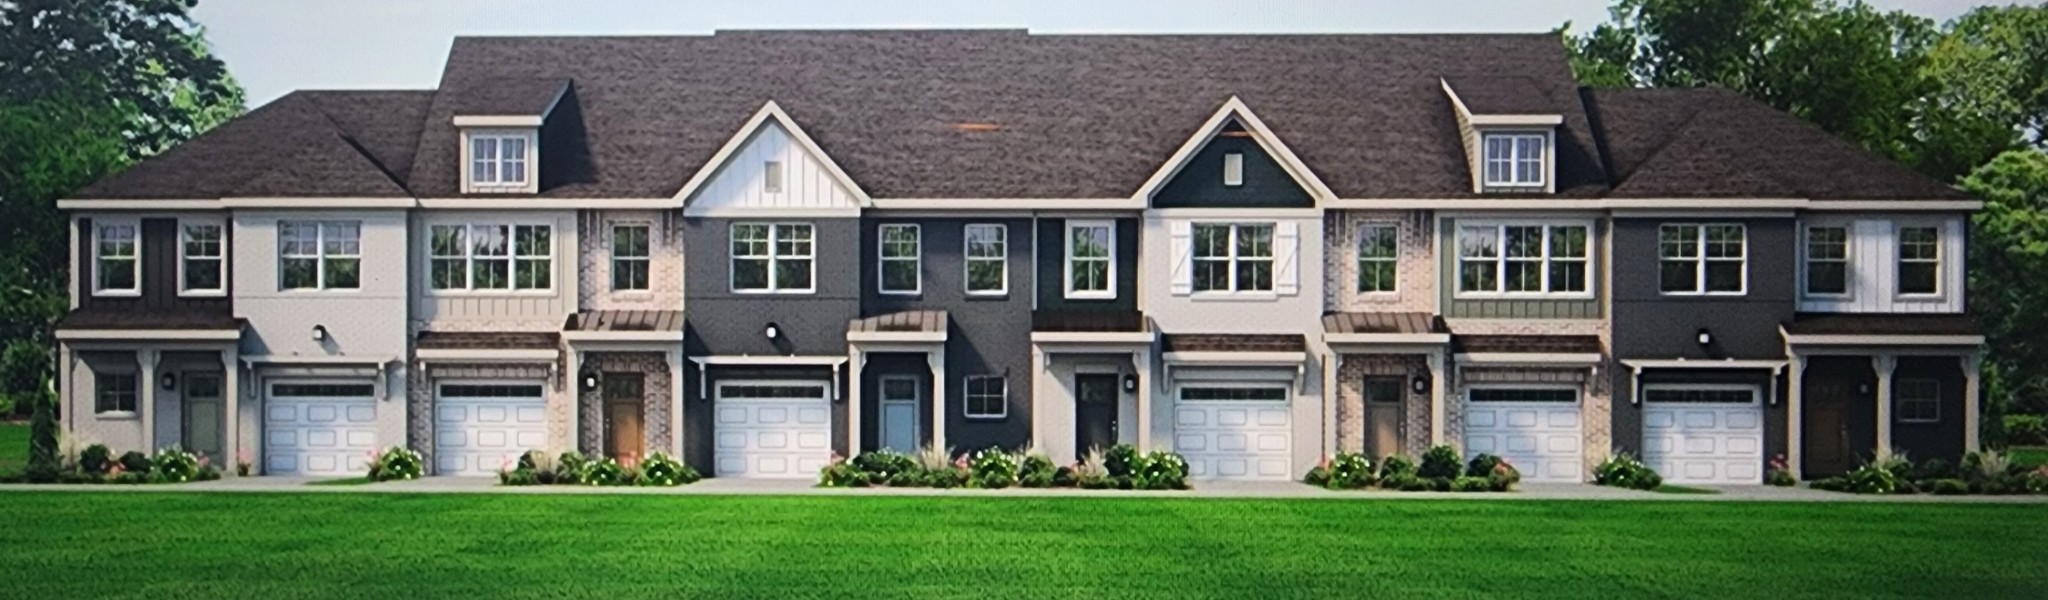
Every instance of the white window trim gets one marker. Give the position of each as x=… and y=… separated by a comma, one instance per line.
x=319, y=257
x=1231, y=259
x=1358, y=258
x=718, y=389
x=1109, y=293
x=222, y=258
x=882, y=259
x=117, y=415
x=1899, y=401
x=512, y=257
x=1941, y=258
x=1514, y=159
x=1578, y=392
x=967, y=399
x=1755, y=393
x=1457, y=255
x=1701, y=260
x=1233, y=169
x=612, y=254
x=1286, y=391
x=968, y=259
x=531, y=138
x=135, y=225
x=774, y=234
x=1848, y=259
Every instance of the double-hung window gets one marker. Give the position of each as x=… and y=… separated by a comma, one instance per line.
x=1917, y=400
x=319, y=255
x=491, y=257
x=1702, y=259
x=775, y=257
x=987, y=397
x=1523, y=259
x=1827, y=261
x=114, y=393
x=117, y=264
x=497, y=160
x=987, y=259
x=1514, y=159
x=1233, y=257
x=1919, y=261
x=629, y=258
x=201, y=259
x=1091, y=268
x=1378, y=249
x=900, y=246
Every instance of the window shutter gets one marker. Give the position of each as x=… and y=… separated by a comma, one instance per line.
x=1286, y=258
x=1183, y=234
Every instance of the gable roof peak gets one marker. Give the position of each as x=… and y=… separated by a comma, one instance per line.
x=1235, y=110
x=770, y=113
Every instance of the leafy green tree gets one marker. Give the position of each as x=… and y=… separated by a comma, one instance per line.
x=2008, y=256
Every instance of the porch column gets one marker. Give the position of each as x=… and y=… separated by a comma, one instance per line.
x=145, y=403
x=67, y=371
x=675, y=402
x=856, y=364
x=1437, y=382
x=571, y=383
x=936, y=359
x=1037, y=413
x=1795, y=417
x=1143, y=369
x=231, y=392
x=1330, y=365
x=1972, y=415
x=1884, y=364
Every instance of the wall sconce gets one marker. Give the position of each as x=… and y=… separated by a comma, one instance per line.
x=319, y=333
x=169, y=381
x=590, y=380
x=1419, y=384
x=772, y=330
x=1130, y=382
x=1706, y=338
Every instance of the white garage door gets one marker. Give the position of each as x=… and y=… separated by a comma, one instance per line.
x=1233, y=432
x=1695, y=434
x=773, y=429
x=1534, y=429
x=481, y=428
x=319, y=429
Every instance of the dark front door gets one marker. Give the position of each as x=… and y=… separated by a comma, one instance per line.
x=623, y=396
x=1824, y=435
x=1383, y=415
x=1095, y=400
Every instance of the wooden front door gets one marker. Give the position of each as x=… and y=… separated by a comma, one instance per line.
x=1824, y=434
x=203, y=416
x=624, y=398
x=1095, y=404
x=1383, y=415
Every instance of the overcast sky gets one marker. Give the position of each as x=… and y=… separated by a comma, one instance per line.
x=276, y=46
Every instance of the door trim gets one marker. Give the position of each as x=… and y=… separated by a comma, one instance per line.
x=882, y=402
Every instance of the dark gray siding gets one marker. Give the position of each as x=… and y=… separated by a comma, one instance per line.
x=987, y=336
x=1943, y=438
x=1628, y=414
x=720, y=322
x=1052, y=256
x=1200, y=182
x=1651, y=325
x=159, y=283
x=886, y=364
x=1859, y=414
x=1456, y=308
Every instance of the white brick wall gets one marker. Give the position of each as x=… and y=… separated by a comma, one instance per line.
x=1415, y=272
x=664, y=270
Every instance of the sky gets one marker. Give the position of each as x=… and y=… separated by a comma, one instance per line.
x=276, y=46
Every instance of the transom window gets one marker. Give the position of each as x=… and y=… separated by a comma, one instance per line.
x=200, y=259
x=117, y=269
x=1514, y=159
x=1702, y=259
x=1827, y=261
x=1378, y=251
x=1919, y=260
x=1233, y=257
x=987, y=259
x=774, y=257
x=1522, y=395
x=1091, y=247
x=1523, y=259
x=629, y=258
x=497, y=159
x=987, y=397
x=322, y=390
x=492, y=257
x=901, y=259
x=114, y=393
x=319, y=255
x=1233, y=394
x=490, y=391
x=1383, y=389
x=1917, y=400
x=1699, y=395
x=767, y=391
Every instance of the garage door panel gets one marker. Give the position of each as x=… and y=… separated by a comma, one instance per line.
x=1191, y=443
x=773, y=437
x=1271, y=442
x=1233, y=439
x=1542, y=440
x=814, y=415
x=1745, y=420
x=479, y=434
x=1190, y=417
x=1704, y=443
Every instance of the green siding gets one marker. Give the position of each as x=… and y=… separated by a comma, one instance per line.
x=1455, y=308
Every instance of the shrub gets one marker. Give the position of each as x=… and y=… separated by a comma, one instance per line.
x=1934, y=468
x=1090, y=472
x=95, y=459
x=2026, y=430
x=1986, y=465
x=1494, y=469
x=1471, y=484
x=1873, y=479
x=660, y=469
x=1950, y=487
x=1349, y=471
x=1440, y=484
x=2037, y=481
x=1318, y=475
x=1064, y=477
x=1440, y=462
x=992, y=469
x=1624, y=471
x=1119, y=460
x=840, y=473
x=946, y=477
x=397, y=463
x=1832, y=484
x=1894, y=461
x=1398, y=464
x=884, y=465
x=1779, y=473
x=518, y=476
x=175, y=466
x=605, y=471
x=135, y=462
x=1160, y=470
x=1406, y=482
x=44, y=464
x=569, y=467
x=1037, y=471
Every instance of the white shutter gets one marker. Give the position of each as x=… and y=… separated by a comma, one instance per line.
x=1287, y=258
x=1183, y=234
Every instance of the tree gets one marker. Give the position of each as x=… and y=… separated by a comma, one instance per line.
x=2008, y=255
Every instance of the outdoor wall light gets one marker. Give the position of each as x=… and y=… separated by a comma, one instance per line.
x=1706, y=337
x=590, y=380
x=319, y=333
x=169, y=381
x=1419, y=384
x=772, y=330
x=1130, y=382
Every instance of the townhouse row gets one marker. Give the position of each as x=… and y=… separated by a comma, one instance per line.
x=624, y=246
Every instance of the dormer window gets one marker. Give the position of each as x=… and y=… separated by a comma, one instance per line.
x=1515, y=159
x=1233, y=169
x=500, y=162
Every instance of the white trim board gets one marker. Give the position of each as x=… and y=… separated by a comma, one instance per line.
x=225, y=335
x=487, y=355
x=1267, y=140
x=1528, y=358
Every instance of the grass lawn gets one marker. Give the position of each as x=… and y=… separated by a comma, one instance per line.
x=342, y=481
x=1682, y=489
x=146, y=544
x=13, y=447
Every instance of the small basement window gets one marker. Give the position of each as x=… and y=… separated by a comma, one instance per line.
x=1233, y=169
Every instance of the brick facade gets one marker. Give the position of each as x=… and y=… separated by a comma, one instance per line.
x=664, y=268
x=1351, y=410
x=1415, y=271
x=656, y=402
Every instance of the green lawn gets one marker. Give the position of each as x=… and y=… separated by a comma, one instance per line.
x=144, y=544
x=13, y=447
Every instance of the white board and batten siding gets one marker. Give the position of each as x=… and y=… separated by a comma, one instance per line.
x=741, y=185
x=1873, y=267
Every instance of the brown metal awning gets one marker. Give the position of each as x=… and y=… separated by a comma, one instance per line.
x=625, y=320
x=1203, y=342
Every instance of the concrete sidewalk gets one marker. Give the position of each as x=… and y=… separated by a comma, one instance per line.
x=1240, y=490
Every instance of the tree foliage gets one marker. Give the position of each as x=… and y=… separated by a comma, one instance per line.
x=2009, y=254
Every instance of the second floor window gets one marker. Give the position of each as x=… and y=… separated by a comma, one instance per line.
x=1523, y=259
x=1233, y=257
x=987, y=259
x=1919, y=260
x=497, y=160
x=1514, y=159
x=1091, y=248
x=899, y=257
x=1827, y=261
x=1701, y=259
x=117, y=268
x=491, y=257
x=772, y=257
x=629, y=258
x=1378, y=251
x=319, y=255
x=201, y=259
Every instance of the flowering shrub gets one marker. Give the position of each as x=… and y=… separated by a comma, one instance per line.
x=838, y=472
x=992, y=469
x=1160, y=470
x=886, y=466
x=173, y=465
x=1037, y=471
x=1120, y=459
x=660, y=469
x=1348, y=471
x=2037, y=481
x=135, y=462
x=607, y=471
x=1624, y=471
x=1873, y=478
x=1440, y=462
x=1398, y=464
x=1779, y=474
x=397, y=463
x=95, y=460
x=1499, y=475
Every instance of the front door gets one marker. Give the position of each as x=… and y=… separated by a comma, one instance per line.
x=1824, y=436
x=1095, y=404
x=1383, y=416
x=623, y=399
x=899, y=414
x=203, y=397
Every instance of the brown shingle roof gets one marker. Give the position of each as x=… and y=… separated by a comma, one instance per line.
x=625, y=320
x=1881, y=324
x=1382, y=322
x=508, y=97
x=468, y=340
x=1202, y=342
x=1528, y=344
x=128, y=318
x=1509, y=95
x=927, y=321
